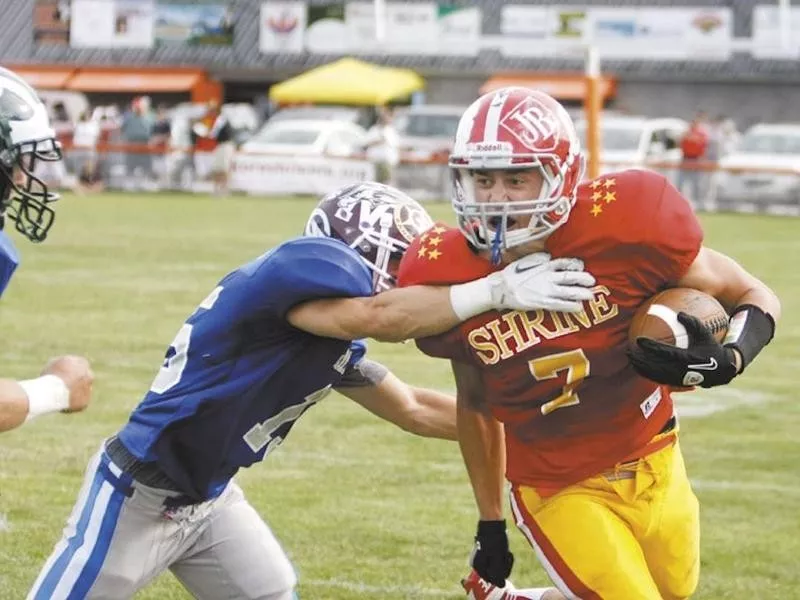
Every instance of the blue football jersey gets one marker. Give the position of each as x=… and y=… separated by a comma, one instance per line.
x=237, y=375
x=9, y=259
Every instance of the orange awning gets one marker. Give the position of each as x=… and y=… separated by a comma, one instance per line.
x=45, y=78
x=132, y=81
x=560, y=86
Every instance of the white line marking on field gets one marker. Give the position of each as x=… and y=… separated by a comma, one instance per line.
x=390, y=591
x=702, y=403
x=750, y=486
x=4, y=524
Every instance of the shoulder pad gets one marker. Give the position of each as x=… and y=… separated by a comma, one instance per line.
x=441, y=256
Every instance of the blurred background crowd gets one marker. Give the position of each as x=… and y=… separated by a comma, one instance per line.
x=291, y=97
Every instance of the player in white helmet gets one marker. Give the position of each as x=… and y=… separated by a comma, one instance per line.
x=26, y=138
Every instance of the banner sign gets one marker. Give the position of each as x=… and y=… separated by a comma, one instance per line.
x=317, y=175
x=143, y=23
x=112, y=24
x=768, y=33
x=350, y=28
x=634, y=33
x=194, y=22
x=282, y=27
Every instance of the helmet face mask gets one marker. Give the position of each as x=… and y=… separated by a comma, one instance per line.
x=514, y=129
x=377, y=221
x=26, y=138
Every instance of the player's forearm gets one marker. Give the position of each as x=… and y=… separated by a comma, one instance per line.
x=21, y=401
x=764, y=298
x=434, y=415
x=405, y=313
x=13, y=405
x=482, y=444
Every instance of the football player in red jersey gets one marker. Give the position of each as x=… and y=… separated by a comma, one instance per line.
x=584, y=431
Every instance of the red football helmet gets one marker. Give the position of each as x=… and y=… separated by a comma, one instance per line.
x=515, y=128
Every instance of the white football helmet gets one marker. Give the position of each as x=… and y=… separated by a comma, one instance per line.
x=25, y=138
x=515, y=128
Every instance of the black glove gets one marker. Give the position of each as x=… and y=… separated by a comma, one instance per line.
x=491, y=557
x=705, y=362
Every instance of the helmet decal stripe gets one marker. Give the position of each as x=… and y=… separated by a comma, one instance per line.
x=478, y=121
x=493, y=115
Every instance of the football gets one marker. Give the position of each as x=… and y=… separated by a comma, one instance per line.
x=658, y=317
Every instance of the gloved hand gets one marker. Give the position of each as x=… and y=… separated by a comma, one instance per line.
x=535, y=281
x=491, y=557
x=705, y=362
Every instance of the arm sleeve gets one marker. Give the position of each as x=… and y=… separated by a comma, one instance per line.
x=363, y=374
x=672, y=238
x=306, y=268
x=445, y=345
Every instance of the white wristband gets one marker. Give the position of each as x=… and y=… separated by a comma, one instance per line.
x=473, y=298
x=46, y=394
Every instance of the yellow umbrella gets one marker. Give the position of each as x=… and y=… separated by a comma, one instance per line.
x=348, y=81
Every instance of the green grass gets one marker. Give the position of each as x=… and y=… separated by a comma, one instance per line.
x=364, y=510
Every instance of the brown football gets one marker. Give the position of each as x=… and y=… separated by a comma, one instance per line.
x=658, y=317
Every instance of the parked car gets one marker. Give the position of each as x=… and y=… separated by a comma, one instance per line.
x=630, y=141
x=428, y=128
x=363, y=116
x=308, y=137
x=763, y=146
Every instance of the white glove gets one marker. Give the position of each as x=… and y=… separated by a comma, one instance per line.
x=530, y=283
x=535, y=281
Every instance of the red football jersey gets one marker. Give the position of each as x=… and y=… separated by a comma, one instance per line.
x=561, y=383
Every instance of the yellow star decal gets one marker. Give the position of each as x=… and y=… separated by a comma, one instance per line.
x=596, y=209
x=423, y=237
x=435, y=241
x=421, y=252
x=439, y=229
x=597, y=195
x=610, y=183
x=596, y=184
x=610, y=197
x=434, y=254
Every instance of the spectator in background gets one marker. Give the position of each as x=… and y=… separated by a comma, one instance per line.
x=220, y=132
x=89, y=178
x=84, y=142
x=383, y=147
x=160, y=141
x=694, y=145
x=136, y=129
x=730, y=136
x=714, y=152
x=60, y=114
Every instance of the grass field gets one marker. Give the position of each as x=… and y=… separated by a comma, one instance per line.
x=364, y=510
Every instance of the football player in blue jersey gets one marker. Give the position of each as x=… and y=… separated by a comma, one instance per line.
x=26, y=138
x=272, y=339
